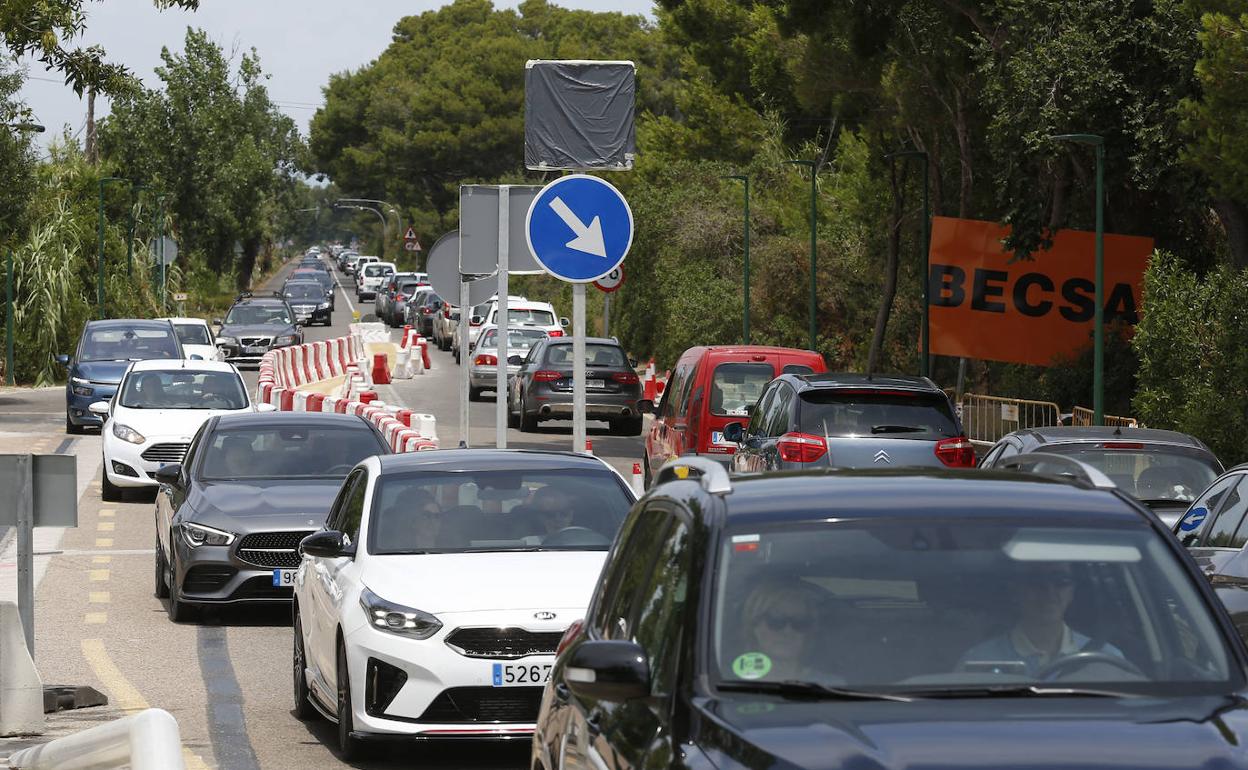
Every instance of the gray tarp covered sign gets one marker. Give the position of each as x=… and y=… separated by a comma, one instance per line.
x=579, y=115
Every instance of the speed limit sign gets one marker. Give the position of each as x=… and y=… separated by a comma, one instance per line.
x=612, y=281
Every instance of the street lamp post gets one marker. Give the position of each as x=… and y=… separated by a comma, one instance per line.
x=135, y=189
x=10, y=376
x=745, y=321
x=1098, y=333
x=814, y=221
x=99, y=287
x=344, y=203
x=925, y=327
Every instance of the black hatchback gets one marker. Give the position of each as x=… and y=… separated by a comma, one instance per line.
x=884, y=619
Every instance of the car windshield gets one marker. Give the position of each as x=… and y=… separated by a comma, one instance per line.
x=596, y=355
x=128, y=344
x=531, y=317
x=304, y=291
x=193, y=334
x=257, y=315
x=496, y=510
x=286, y=452
x=882, y=414
x=735, y=387
x=181, y=389
x=1147, y=472
x=927, y=605
x=517, y=339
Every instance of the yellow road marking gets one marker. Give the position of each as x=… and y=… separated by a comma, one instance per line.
x=99, y=597
x=95, y=618
x=101, y=559
x=99, y=575
x=123, y=694
x=103, y=542
x=106, y=514
x=106, y=526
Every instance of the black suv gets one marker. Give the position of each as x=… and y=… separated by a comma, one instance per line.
x=850, y=421
x=256, y=324
x=861, y=619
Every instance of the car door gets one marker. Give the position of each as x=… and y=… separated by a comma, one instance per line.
x=322, y=588
x=520, y=383
x=746, y=459
x=662, y=431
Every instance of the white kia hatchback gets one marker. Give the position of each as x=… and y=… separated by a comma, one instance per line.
x=158, y=407
x=432, y=603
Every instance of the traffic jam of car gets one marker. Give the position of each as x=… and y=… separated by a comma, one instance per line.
x=819, y=569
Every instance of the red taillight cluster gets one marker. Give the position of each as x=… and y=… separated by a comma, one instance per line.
x=446, y=311
x=956, y=452
x=485, y=359
x=400, y=298
x=569, y=636
x=625, y=378
x=426, y=310
x=555, y=333
x=801, y=447
x=546, y=376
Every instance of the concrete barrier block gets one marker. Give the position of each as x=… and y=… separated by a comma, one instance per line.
x=301, y=401
x=21, y=691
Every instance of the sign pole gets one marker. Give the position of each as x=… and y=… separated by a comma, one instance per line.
x=464, y=317
x=10, y=376
x=578, y=367
x=606, y=315
x=504, y=254
x=26, y=547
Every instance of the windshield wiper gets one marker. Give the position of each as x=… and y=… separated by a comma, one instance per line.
x=801, y=689
x=1023, y=691
x=896, y=429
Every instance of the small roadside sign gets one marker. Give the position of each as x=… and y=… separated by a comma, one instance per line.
x=179, y=296
x=410, y=235
x=412, y=246
x=612, y=281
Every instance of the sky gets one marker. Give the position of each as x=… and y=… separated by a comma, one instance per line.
x=300, y=42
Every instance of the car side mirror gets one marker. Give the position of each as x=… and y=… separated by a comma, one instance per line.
x=515, y=360
x=169, y=474
x=99, y=408
x=63, y=360
x=455, y=316
x=328, y=544
x=610, y=670
x=632, y=362
x=564, y=322
x=218, y=322
x=265, y=408
x=734, y=432
x=476, y=320
x=196, y=357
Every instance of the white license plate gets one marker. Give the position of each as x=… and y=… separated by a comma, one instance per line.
x=521, y=674
x=595, y=384
x=252, y=351
x=284, y=577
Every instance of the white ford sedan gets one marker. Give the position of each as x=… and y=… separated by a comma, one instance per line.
x=432, y=603
x=159, y=406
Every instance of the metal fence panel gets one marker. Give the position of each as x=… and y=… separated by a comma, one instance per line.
x=987, y=418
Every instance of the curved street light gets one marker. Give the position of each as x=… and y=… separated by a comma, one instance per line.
x=382, y=217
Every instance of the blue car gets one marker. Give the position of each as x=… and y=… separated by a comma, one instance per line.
x=105, y=350
x=894, y=620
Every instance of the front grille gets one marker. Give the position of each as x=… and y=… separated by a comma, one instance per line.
x=272, y=549
x=172, y=452
x=503, y=642
x=484, y=704
x=206, y=578
x=253, y=342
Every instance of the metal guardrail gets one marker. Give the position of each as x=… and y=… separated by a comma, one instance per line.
x=1081, y=415
x=986, y=419
x=148, y=740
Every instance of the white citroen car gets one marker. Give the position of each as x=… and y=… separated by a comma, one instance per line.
x=432, y=602
x=158, y=407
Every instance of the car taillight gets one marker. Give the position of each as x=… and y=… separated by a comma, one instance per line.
x=569, y=636
x=956, y=452
x=1121, y=445
x=446, y=312
x=400, y=298
x=486, y=360
x=626, y=378
x=426, y=310
x=555, y=333
x=801, y=447
x=546, y=376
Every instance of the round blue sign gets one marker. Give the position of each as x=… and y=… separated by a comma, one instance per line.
x=1193, y=519
x=579, y=228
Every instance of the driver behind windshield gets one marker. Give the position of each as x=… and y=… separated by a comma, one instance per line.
x=1041, y=593
x=554, y=509
x=779, y=621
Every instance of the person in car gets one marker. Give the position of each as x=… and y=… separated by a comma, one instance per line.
x=1042, y=593
x=780, y=619
x=236, y=457
x=415, y=522
x=554, y=509
x=218, y=393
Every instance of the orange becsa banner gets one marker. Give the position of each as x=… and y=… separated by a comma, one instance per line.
x=986, y=306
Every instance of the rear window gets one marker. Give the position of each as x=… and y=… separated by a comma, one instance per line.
x=735, y=387
x=895, y=414
x=193, y=334
x=595, y=355
x=534, y=317
x=1150, y=473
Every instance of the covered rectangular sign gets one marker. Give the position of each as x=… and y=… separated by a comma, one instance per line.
x=987, y=304
x=54, y=480
x=578, y=115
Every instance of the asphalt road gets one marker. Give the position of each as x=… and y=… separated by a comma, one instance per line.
x=226, y=678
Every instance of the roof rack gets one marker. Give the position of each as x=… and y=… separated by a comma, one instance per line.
x=710, y=474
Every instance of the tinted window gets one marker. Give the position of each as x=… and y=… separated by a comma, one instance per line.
x=353, y=508
x=408, y=289
x=180, y=389
x=758, y=418
x=734, y=387
x=1149, y=473
x=1203, y=509
x=1228, y=529
x=779, y=412
x=662, y=601
x=294, y=451
x=897, y=414
x=957, y=600
x=372, y=271
x=631, y=568
x=127, y=344
x=797, y=369
x=193, y=334
x=671, y=393
x=532, y=317
x=496, y=510
x=258, y=315
x=517, y=339
x=298, y=291
x=596, y=355
x=335, y=518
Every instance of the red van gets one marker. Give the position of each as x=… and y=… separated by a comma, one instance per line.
x=711, y=387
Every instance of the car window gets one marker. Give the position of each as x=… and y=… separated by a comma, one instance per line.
x=287, y=451
x=957, y=598
x=532, y=317
x=797, y=369
x=353, y=507
x=659, y=624
x=517, y=339
x=120, y=343
x=778, y=417
x=686, y=391
x=298, y=291
x=182, y=389
x=1227, y=530
x=257, y=315
x=671, y=393
x=335, y=518
x=578, y=509
x=1201, y=512
x=631, y=568
x=883, y=414
x=596, y=355
x=736, y=386
x=758, y=418
x=193, y=334
x=1150, y=473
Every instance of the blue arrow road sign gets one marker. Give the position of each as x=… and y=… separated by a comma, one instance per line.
x=579, y=228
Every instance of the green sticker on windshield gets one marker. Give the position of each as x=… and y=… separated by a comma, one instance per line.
x=751, y=665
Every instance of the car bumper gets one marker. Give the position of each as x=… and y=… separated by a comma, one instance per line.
x=212, y=574
x=486, y=376
x=312, y=316
x=444, y=693
x=549, y=404
x=124, y=462
x=76, y=406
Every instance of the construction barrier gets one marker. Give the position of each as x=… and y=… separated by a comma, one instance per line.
x=985, y=419
x=148, y=740
x=1082, y=416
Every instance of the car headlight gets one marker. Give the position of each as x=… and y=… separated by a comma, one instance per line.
x=126, y=433
x=284, y=340
x=196, y=535
x=81, y=387
x=397, y=619
x=227, y=340
x=323, y=306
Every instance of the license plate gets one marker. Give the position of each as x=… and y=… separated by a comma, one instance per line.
x=252, y=351
x=302, y=318
x=521, y=674
x=595, y=384
x=284, y=577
